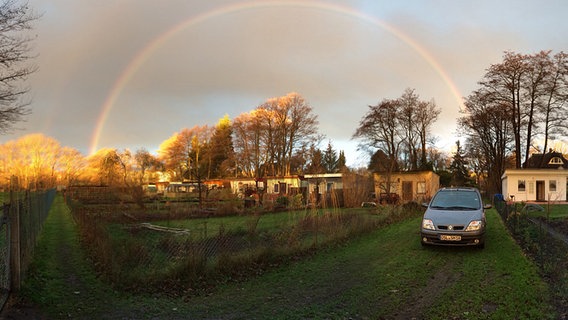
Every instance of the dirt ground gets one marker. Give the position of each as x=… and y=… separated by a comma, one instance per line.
x=16, y=309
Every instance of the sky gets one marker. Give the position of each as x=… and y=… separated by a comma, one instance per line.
x=128, y=74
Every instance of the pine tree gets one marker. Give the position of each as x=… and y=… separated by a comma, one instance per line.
x=458, y=168
x=222, y=151
x=329, y=160
x=341, y=161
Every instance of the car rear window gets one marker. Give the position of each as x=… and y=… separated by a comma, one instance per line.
x=456, y=200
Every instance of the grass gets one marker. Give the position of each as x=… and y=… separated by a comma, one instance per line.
x=384, y=274
x=218, y=249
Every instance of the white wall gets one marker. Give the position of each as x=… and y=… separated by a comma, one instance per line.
x=511, y=178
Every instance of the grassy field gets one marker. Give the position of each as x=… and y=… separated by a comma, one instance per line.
x=385, y=274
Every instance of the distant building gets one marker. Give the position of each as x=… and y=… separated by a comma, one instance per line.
x=418, y=186
x=543, y=178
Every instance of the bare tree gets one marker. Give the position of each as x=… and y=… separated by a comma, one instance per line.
x=532, y=90
x=426, y=115
x=408, y=105
x=250, y=149
x=144, y=161
x=554, y=106
x=15, y=48
x=486, y=124
x=268, y=138
x=380, y=130
x=173, y=154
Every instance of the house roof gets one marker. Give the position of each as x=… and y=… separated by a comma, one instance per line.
x=550, y=160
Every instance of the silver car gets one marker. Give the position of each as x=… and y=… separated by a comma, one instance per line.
x=454, y=217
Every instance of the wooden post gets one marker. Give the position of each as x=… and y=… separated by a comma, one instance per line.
x=14, y=216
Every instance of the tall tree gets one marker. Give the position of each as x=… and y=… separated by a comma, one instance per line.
x=316, y=162
x=144, y=161
x=425, y=116
x=554, y=106
x=532, y=89
x=250, y=146
x=173, y=152
x=380, y=130
x=267, y=139
x=502, y=83
x=330, y=159
x=399, y=128
x=222, y=151
x=295, y=126
x=487, y=127
x=341, y=161
x=458, y=168
x=15, y=20
x=408, y=105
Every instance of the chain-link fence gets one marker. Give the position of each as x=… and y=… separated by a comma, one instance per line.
x=21, y=221
x=4, y=255
x=177, y=245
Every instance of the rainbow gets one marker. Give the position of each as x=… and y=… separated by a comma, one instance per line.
x=141, y=56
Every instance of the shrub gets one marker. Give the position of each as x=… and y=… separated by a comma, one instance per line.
x=282, y=202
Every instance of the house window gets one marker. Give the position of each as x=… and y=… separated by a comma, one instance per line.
x=521, y=185
x=552, y=185
x=555, y=160
x=276, y=188
x=421, y=187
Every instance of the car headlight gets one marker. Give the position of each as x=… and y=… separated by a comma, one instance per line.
x=428, y=224
x=474, y=225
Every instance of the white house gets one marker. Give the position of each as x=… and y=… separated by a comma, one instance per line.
x=543, y=178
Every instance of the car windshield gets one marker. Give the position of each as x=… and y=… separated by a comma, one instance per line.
x=456, y=200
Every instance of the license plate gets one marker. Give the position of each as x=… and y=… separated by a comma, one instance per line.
x=446, y=237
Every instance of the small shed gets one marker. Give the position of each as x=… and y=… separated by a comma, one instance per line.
x=543, y=178
x=406, y=186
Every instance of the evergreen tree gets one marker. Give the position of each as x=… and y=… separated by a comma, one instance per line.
x=316, y=162
x=458, y=168
x=329, y=160
x=221, y=151
x=341, y=161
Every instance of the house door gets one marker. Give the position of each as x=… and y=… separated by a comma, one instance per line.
x=540, y=190
x=407, y=191
x=282, y=188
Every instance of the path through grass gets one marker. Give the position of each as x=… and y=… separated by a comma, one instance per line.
x=386, y=274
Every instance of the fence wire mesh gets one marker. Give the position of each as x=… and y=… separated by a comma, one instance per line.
x=21, y=221
x=4, y=256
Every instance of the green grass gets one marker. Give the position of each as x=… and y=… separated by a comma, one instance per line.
x=385, y=274
x=552, y=211
x=557, y=211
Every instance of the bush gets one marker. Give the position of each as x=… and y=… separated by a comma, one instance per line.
x=282, y=202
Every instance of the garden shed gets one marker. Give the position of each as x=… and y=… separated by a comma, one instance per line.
x=544, y=177
x=406, y=186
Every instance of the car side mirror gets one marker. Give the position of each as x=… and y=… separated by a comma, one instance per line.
x=425, y=204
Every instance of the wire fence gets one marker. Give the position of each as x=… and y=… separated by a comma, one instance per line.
x=21, y=222
x=177, y=245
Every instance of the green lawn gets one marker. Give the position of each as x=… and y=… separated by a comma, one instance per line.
x=385, y=274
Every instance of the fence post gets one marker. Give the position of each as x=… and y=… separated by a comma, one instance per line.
x=15, y=262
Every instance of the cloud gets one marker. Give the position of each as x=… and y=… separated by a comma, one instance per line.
x=230, y=63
